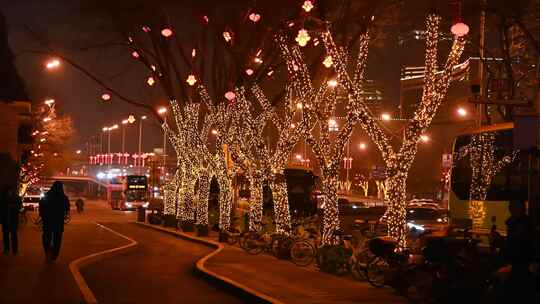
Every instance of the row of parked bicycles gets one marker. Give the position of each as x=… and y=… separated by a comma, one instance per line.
x=437, y=269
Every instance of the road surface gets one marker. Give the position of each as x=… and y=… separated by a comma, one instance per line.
x=158, y=270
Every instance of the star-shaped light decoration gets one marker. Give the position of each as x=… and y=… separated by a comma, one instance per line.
x=150, y=81
x=227, y=36
x=308, y=6
x=249, y=72
x=328, y=62
x=230, y=96
x=134, y=54
x=303, y=37
x=191, y=80
x=106, y=96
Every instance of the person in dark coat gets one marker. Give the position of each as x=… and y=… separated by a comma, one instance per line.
x=10, y=206
x=53, y=209
x=518, y=253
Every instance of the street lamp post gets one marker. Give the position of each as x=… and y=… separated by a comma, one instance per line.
x=125, y=122
x=140, y=133
x=163, y=111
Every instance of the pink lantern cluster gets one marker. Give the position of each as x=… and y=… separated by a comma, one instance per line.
x=138, y=160
x=347, y=163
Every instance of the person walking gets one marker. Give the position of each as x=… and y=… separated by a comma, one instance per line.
x=53, y=209
x=80, y=205
x=518, y=253
x=10, y=206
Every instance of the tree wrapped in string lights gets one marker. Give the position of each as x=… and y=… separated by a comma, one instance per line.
x=485, y=163
x=262, y=160
x=397, y=162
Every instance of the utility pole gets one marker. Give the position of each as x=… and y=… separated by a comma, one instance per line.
x=481, y=44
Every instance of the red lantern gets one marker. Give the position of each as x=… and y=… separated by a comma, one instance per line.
x=460, y=29
x=166, y=32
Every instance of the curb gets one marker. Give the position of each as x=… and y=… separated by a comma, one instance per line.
x=77, y=264
x=259, y=297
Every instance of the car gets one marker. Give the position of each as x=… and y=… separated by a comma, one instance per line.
x=426, y=218
x=425, y=203
x=32, y=197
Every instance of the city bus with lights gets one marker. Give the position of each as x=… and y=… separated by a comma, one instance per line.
x=514, y=177
x=135, y=192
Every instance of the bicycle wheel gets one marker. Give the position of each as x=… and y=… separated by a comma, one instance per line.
x=302, y=253
x=36, y=220
x=276, y=244
x=375, y=273
x=231, y=239
x=254, y=247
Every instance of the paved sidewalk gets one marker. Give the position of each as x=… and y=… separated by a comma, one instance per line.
x=28, y=278
x=289, y=283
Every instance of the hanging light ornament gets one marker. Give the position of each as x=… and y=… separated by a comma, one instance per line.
x=254, y=17
x=191, y=80
x=150, y=81
x=193, y=53
x=249, y=72
x=166, y=32
x=106, y=96
x=134, y=54
x=230, y=96
x=459, y=29
x=328, y=62
x=303, y=37
x=308, y=6
x=146, y=29
x=227, y=36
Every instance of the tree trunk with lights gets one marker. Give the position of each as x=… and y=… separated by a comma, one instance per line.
x=202, y=198
x=330, y=208
x=255, y=204
x=280, y=197
x=396, y=189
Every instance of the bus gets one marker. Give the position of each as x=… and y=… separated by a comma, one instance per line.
x=516, y=177
x=135, y=192
x=128, y=192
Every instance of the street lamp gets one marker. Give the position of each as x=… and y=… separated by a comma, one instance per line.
x=52, y=64
x=386, y=116
x=140, y=133
x=462, y=112
x=125, y=122
x=163, y=111
x=49, y=102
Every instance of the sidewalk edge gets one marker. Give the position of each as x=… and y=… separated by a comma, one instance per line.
x=202, y=268
x=76, y=265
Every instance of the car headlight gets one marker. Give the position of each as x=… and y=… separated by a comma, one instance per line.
x=415, y=226
x=145, y=205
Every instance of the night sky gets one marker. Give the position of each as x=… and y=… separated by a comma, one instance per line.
x=65, y=25
x=62, y=25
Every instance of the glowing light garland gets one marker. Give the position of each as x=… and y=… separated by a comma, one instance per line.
x=484, y=166
x=397, y=163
